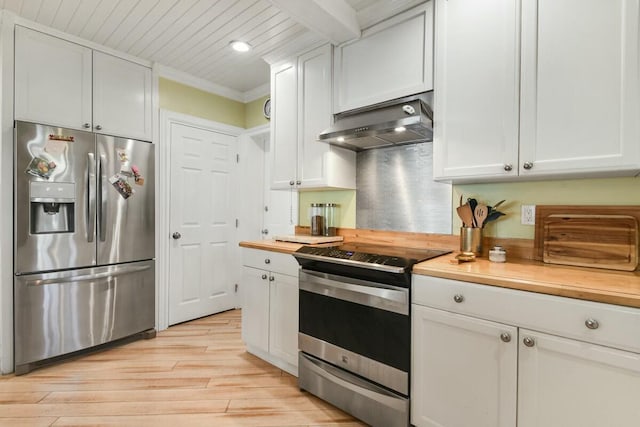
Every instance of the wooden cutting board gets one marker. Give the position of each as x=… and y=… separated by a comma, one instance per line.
x=310, y=240
x=589, y=240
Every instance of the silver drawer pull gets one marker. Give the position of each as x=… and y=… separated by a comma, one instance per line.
x=264, y=277
x=505, y=337
x=267, y=261
x=458, y=298
x=592, y=324
x=529, y=342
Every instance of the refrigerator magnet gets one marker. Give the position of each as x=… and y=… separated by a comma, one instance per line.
x=137, y=176
x=55, y=147
x=121, y=185
x=41, y=167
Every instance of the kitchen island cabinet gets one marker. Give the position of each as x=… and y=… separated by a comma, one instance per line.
x=270, y=307
x=301, y=109
x=61, y=83
x=576, y=363
x=518, y=84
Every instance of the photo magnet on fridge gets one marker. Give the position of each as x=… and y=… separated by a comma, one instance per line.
x=41, y=167
x=121, y=185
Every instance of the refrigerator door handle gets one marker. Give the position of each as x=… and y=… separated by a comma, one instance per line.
x=121, y=271
x=102, y=198
x=91, y=197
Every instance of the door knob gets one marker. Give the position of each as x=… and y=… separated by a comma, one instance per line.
x=176, y=235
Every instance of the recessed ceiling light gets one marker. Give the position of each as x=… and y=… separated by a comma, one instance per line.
x=340, y=139
x=400, y=129
x=240, y=46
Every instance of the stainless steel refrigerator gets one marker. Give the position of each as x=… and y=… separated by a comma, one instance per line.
x=84, y=241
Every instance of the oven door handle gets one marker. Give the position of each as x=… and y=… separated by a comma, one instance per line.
x=395, y=300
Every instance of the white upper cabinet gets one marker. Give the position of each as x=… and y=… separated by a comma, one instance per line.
x=562, y=100
x=52, y=80
x=476, y=97
x=121, y=97
x=284, y=128
x=391, y=59
x=61, y=83
x=301, y=109
x=580, y=107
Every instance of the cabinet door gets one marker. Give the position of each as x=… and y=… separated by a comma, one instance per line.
x=476, y=95
x=121, y=97
x=320, y=165
x=255, y=308
x=284, y=125
x=283, y=319
x=52, y=80
x=580, y=87
x=463, y=372
x=314, y=101
x=390, y=60
x=568, y=383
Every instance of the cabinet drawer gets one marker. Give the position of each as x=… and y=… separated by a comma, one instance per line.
x=614, y=326
x=272, y=261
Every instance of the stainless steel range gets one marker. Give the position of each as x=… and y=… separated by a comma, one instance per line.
x=355, y=329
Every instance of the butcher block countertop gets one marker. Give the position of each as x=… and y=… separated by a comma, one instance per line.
x=592, y=284
x=272, y=245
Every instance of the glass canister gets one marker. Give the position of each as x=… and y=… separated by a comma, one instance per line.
x=317, y=219
x=330, y=219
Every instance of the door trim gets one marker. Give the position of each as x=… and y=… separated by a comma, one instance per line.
x=163, y=197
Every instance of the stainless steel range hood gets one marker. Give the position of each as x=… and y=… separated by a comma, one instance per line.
x=400, y=121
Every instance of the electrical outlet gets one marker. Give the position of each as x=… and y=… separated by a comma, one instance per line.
x=528, y=215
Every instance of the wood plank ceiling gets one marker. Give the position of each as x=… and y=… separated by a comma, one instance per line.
x=191, y=36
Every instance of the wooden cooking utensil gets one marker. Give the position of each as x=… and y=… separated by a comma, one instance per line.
x=480, y=214
x=465, y=214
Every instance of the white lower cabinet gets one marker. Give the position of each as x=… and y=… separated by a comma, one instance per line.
x=463, y=373
x=565, y=383
x=488, y=356
x=283, y=318
x=270, y=307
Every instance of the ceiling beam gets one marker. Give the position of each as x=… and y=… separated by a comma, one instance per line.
x=335, y=20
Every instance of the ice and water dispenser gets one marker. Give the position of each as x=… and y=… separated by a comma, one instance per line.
x=52, y=207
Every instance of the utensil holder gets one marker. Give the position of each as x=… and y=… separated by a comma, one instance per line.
x=471, y=240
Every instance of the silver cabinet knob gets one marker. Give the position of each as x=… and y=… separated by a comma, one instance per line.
x=264, y=277
x=508, y=167
x=86, y=125
x=528, y=341
x=267, y=261
x=527, y=165
x=271, y=278
x=298, y=182
x=98, y=127
x=176, y=235
x=458, y=298
x=264, y=231
x=592, y=324
x=505, y=337
x=292, y=182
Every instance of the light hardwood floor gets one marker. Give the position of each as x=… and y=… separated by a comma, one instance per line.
x=194, y=374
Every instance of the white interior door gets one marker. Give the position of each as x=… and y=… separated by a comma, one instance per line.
x=202, y=222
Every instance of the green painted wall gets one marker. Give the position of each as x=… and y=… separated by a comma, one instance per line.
x=253, y=113
x=185, y=99
x=606, y=191
x=346, y=214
